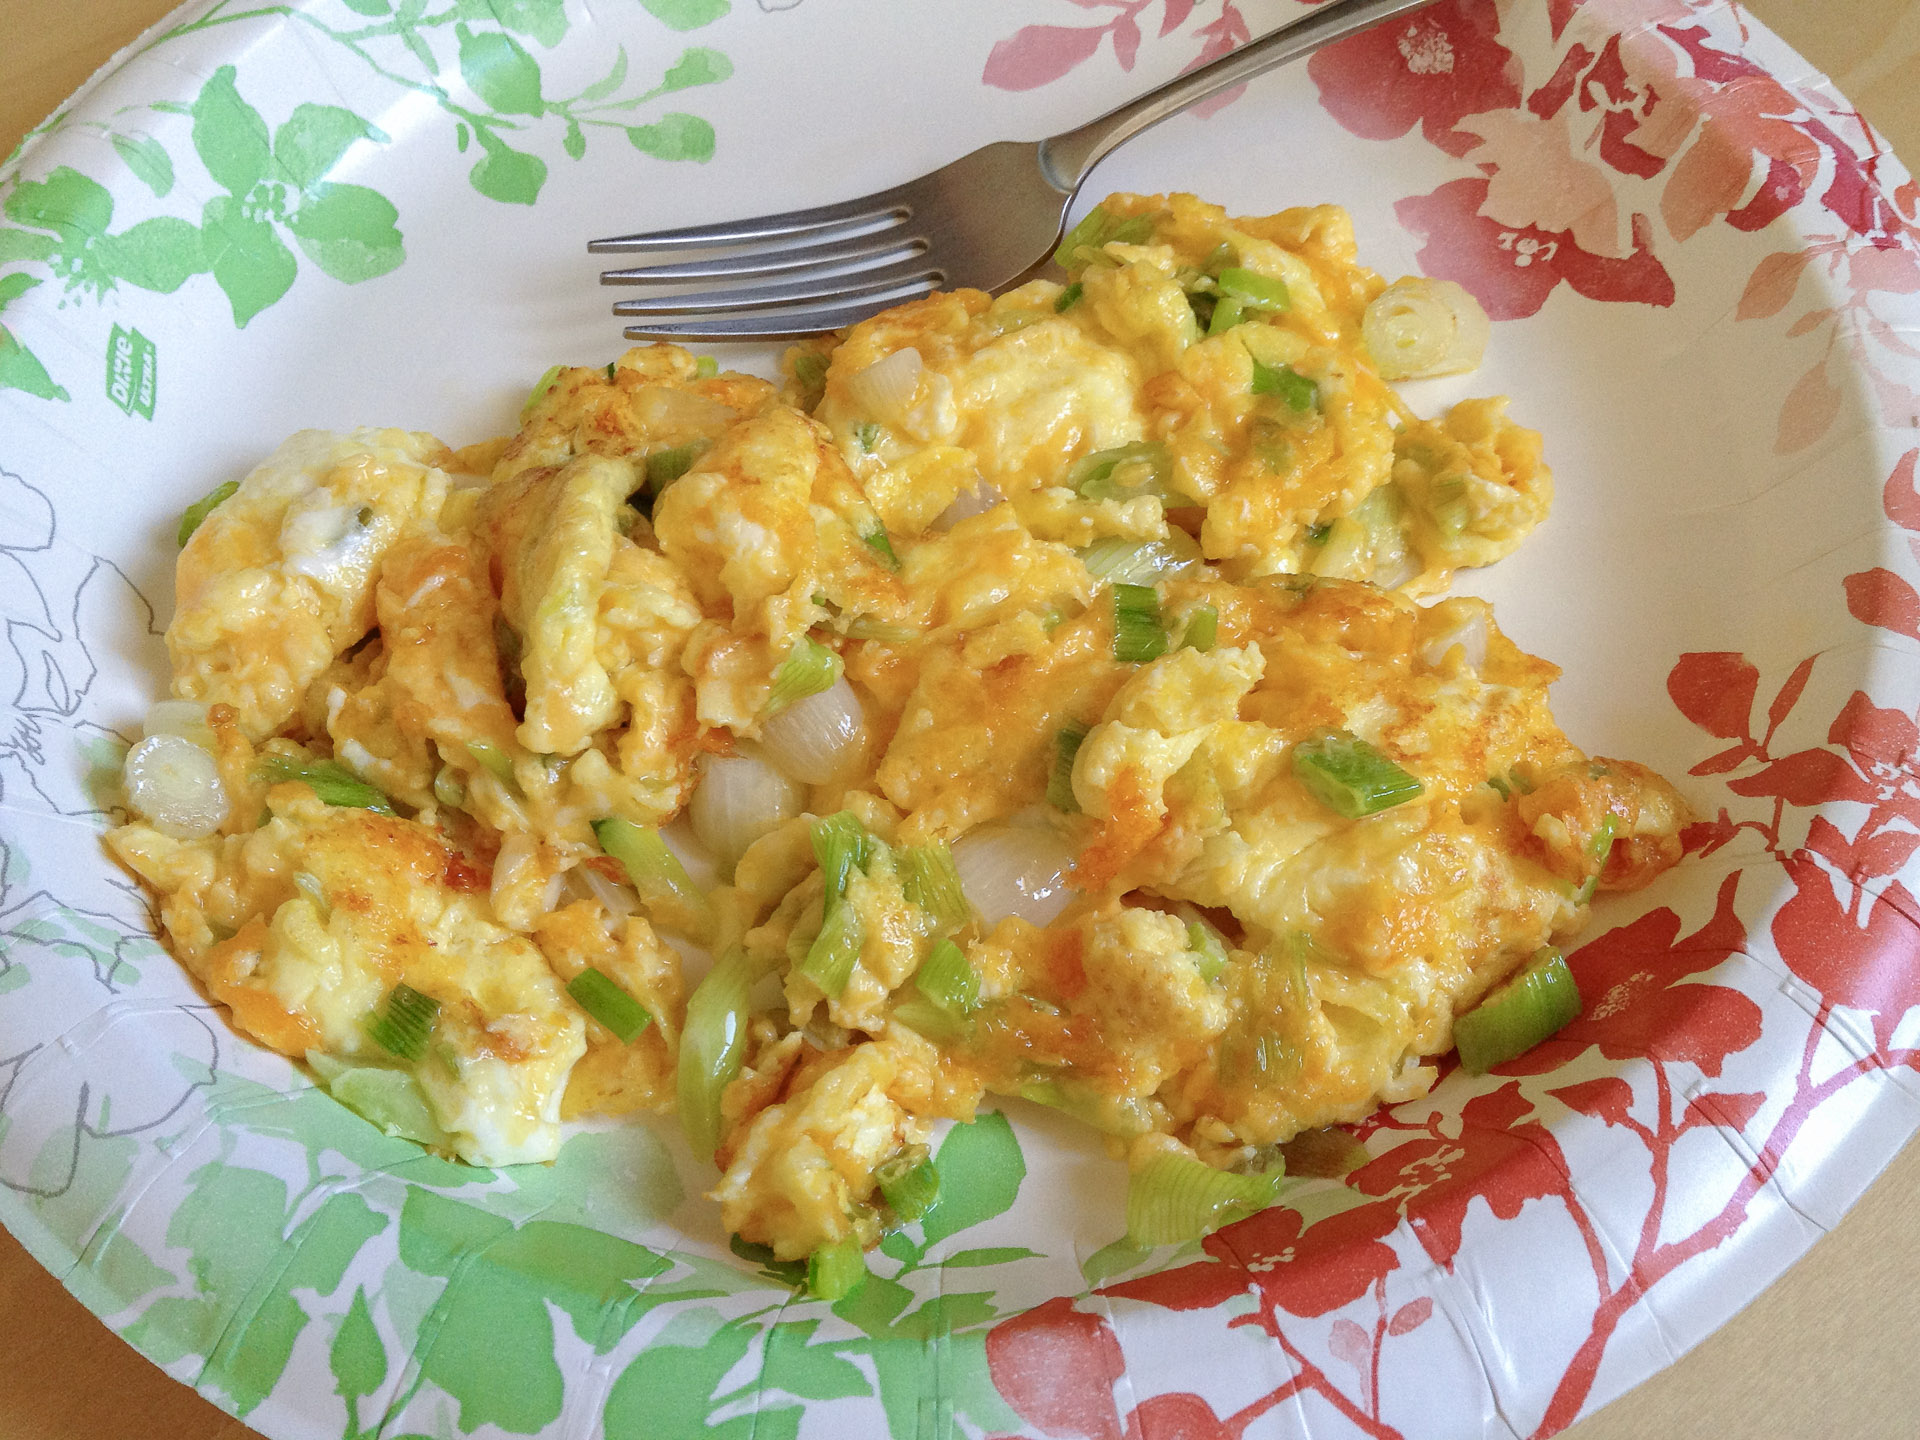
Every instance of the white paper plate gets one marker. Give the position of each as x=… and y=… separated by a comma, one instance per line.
x=373, y=212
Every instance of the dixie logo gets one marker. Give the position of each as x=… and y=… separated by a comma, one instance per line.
x=132, y=371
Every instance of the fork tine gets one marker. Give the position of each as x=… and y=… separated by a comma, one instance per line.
x=770, y=324
x=845, y=259
x=817, y=290
x=881, y=210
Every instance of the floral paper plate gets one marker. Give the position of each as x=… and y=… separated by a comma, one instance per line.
x=345, y=212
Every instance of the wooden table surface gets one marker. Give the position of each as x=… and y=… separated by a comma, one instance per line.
x=1831, y=1350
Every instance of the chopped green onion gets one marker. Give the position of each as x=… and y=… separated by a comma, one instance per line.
x=613, y=367
x=1138, y=634
x=666, y=466
x=198, y=511
x=831, y=956
x=597, y=993
x=449, y=788
x=1601, y=840
x=835, y=1271
x=1317, y=534
x=810, y=669
x=1585, y=892
x=1125, y=472
x=706, y=367
x=403, y=1022
x=1203, y=628
x=876, y=539
x=924, y=1017
x=868, y=435
x=1500, y=787
x=1349, y=776
x=494, y=760
x=1228, y=311
x=1520, y=781
x=1254, y=290
x=1173, y=1198
x=1068, y=298
x=1289, y=384
x=1091, y=1105
x=948, y=979
x=842, y=845
x=810, y=370
x=930, y=880
x=1136, y=562
x=713, y=1040
x=1207, y=943
x=388, y=1099
x=1533, y=1005
x=540, y=388
x=1097, y=229
x=1066, y=745
x=909, y=1183
x=656, y=872
x=328, y=779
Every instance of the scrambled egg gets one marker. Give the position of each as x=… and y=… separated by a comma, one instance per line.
x=1078, y=581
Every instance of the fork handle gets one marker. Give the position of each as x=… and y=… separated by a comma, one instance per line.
x=1067, y=158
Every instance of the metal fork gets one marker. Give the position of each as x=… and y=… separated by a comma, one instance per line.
x=987, y=220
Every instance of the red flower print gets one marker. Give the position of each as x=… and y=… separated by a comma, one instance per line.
x=1306, y=1270
x=1179, y=1416
x=1512, y=269
x=1635, y=1004
x=1432, y=68
x=1864, y=954
x=1056, y=1366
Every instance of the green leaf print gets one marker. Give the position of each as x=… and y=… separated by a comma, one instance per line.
x=246, y=257
x=368, y=7
x=500, y=71
x=812, y=1372
x=161, y=254
x=504, y=173
x=493, y=1344
x=66, y=202
x=24, y=245
x=543, y=21
x=698, y=66
x=313, y=140
x=148, y=159
x=612, y=81
x=669, y=1388
x=358, y=1358
x=686, y=14
x=20, y=369
x=674, y=137
x=229, y=135
x=981, y=1168
x=348, y=231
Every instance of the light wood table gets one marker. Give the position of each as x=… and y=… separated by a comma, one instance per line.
x=1831, y=1350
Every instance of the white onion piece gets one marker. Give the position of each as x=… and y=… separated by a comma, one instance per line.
x=185, y=718
x=739, y=799
x=1416, y=328
x=1394, y=569
x=1470, y=634
x=661, y=409
x=1014, y=870
x=176, y=786
x=617, y=900
x=976, y=499
x=818, y=737
x=887, y=387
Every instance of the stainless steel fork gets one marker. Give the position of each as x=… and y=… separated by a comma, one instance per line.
x=987, y=220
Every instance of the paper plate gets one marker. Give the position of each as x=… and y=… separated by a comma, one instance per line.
x=1704, y=270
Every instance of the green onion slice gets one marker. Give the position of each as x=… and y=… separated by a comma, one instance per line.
x=842, y=845
x=1138, y=635
x=540, y=388
x=835, y=1271
x=909, y=1183
x=1068, y=298
x=1203, y=628
x=1135, y=562
x=712, y=1042
x=494, y=760
x=388, y=1099
x=831, y=956
x=656, y=872
x=597, y=993
x=402, y=1022
x=948, y=979
x=1066, y=746
x=876, y=539
x=328, y=779
x=1289, y=384
x=668, y=465
x=1173, y=1198
x=613, y=367
x=198, y=511
x=1228, y=311
x=1349, y=776
x=1601, y=840
x=1517, y=1016
x=449, y=788
x=1209, y=948
x=1126, y=472
x=810, y=669
x=930, y=880
x=1097, y=229
x=868, y=435
x=706, y=367
x=926, y=1018
x=810, y=370
x=1253, y=290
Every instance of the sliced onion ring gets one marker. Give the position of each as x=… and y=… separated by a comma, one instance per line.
x=818, y=737
x=1416, y=328
x=176, y=786
x=1014, y=870
x=739, y=799
x=886, y=387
